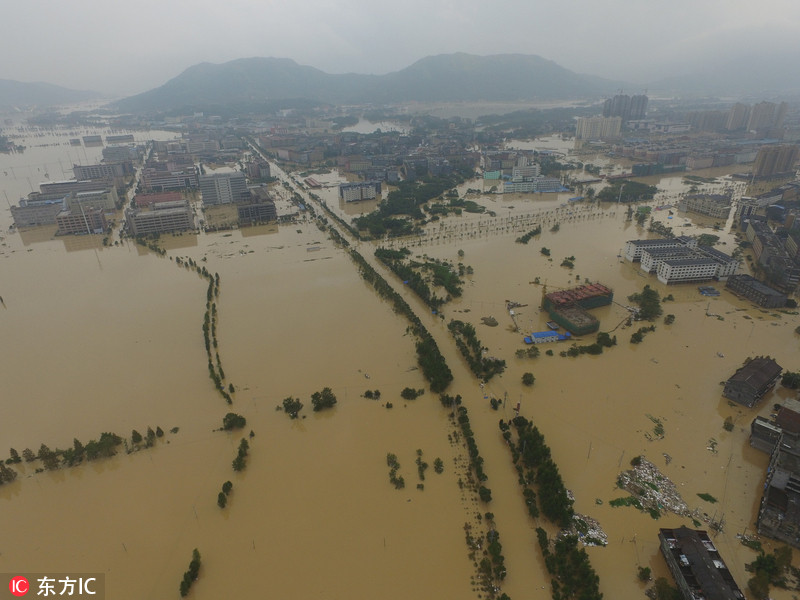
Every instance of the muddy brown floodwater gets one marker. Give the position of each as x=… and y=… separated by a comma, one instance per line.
x=109, y=339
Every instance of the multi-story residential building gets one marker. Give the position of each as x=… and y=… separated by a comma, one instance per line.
x=766, y=115
x=779, y=511
x=598, y=128
x=696, y=565
x=81, y=221
x=712, y=205
x=103, y=170
x=122, y=138
x=652, y=257
x=626, y=107
x=355, y=192
x=754, y=290
x=773, y=160
x=686, y=270
x=145, y=200
x=680, y=260
x=105, y=200
x=752, y=381
x=41, y=210
x=526, y=172
x=72, y=185
x=534, y=184
x=164, y=217
x=262, y=211
x=120, y=153
x=223, y=188
x=634, y=248
x=737, y=117
x=200, y=146
x=160, y=179
x=258, y=170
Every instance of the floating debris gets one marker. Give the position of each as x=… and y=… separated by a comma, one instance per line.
x=587, y=530
x=653, y=491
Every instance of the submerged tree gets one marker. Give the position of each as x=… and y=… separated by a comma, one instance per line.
x=323, y=399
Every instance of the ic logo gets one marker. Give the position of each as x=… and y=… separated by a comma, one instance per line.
x=18, y=585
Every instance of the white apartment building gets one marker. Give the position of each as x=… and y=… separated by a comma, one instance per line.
x=682, y=270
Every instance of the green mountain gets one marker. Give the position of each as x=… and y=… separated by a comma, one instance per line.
x=18, y=93
x=447, y=77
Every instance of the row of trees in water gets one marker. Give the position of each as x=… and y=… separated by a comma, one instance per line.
x=411, y=273
x=439, y=376
x=106, y=446
x=429, y=357
x=573, y=575
x=471, y=348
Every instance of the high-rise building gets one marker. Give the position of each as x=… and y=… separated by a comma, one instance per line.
x=627, y=107
x=737, y=117
x=597, y=128
x=771, y=160
x=223, y=188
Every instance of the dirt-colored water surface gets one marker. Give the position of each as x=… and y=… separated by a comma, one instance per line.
x=110, y=339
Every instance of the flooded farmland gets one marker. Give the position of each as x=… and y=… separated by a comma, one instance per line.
x=110, y=339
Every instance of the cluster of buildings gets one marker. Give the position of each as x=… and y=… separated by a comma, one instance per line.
x=680, y=260
x=779, y=436
x=764, y=119
x=754, y=290
x=154, y=214
x=77, y=207
x=626, y=107
x=617, y=111
x=518, y=172
x=778, y=257
x=380, y=156
x=685, y=153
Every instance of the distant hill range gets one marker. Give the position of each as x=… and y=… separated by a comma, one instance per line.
x=17, y=94
x=446, y=77
x=756, y=76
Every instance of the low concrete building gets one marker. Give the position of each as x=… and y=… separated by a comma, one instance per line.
x=712, y=205
x=752, y=381
x=754, y=290
x=696, y=565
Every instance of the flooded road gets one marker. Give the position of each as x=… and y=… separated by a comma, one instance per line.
x=109, y=339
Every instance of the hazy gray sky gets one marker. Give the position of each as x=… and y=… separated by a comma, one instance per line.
x=125, y=48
